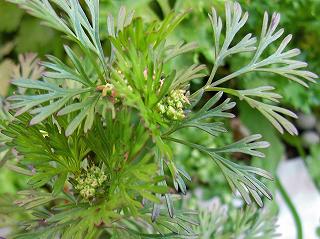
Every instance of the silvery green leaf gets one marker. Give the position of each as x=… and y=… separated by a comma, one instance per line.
x=281, y=62
x=241, y=178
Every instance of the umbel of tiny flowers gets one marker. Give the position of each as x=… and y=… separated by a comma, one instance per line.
x=171, y=106
x=90, y=181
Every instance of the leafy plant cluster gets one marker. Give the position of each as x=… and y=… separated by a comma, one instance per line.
x=303, y=14
x=219, y=221
x=305, y=30
x=96, y=134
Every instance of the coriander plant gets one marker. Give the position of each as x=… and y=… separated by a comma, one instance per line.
x=96, y=133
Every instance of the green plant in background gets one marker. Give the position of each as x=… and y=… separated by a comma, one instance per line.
x=15, y=31
x=14, y=21
x=96, y=134
x=221, y=222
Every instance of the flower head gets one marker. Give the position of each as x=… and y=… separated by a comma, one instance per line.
x=90, y=181
x=171, y=106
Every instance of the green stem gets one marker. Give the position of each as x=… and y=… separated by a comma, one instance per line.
x=244, y=70
x=213, y=73
x=291, y=207
x=225, y=90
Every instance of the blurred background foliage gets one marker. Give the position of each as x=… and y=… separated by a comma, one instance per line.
x=21, y=33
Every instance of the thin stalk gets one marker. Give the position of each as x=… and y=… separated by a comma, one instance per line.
x=233, y=75
x=225, y=90
x=213, y=73
x=291, y=207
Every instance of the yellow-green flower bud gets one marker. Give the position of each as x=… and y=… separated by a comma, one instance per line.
x=89, y=181
x=171, y=106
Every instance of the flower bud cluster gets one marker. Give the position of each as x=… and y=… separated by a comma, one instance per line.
x=171, y=106
x=90, y=181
